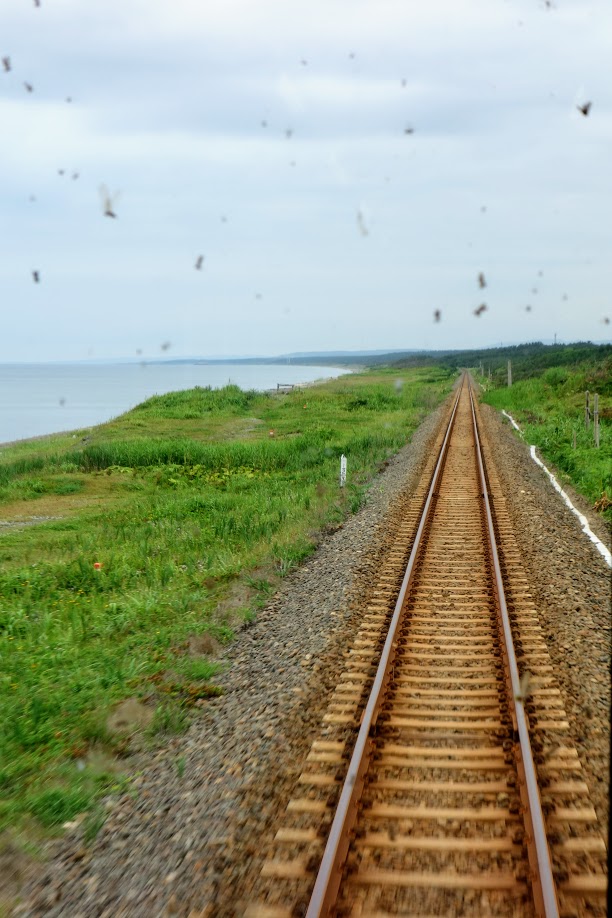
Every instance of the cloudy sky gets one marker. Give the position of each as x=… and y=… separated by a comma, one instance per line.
x=345, y=168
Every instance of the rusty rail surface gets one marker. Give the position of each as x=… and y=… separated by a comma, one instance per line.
x=542, y=880
x=325, y=892
x=421, y=795
x=328, y=879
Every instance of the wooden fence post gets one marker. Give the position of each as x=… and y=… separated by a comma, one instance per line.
x=596, y=419
x=587, y=413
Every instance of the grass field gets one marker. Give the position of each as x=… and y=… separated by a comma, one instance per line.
x=550, y=410
x=167, y=529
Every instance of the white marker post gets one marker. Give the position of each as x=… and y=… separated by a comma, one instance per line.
x=342, y=470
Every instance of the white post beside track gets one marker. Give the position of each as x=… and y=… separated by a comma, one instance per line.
x=342, y=470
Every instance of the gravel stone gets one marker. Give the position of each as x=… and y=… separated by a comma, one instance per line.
x=570, y=584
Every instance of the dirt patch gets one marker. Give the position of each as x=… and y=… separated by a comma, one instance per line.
x=241, y=427
x=96, y=491
x=263, y=573
x=15, y=866
x=8, y=525
x=251, y=424
x=232, y=609
x=202, y=645
x=130, y=716
x=102, y=762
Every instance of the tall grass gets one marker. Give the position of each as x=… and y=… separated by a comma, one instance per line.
x=550, y=409
x=16, y=467
x=262, y=455
x=198, y=402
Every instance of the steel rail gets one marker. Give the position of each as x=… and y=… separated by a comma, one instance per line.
x=328, y=879
x=545, y=894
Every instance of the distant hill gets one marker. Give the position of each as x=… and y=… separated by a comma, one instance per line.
x=325, y=358
x=381, y=352
x=527, y=359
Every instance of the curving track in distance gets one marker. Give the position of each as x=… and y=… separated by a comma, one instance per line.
x=442, y=782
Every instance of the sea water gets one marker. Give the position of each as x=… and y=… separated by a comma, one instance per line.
x=37, y=399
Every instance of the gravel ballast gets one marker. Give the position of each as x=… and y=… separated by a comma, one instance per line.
x=190, y=841
x=570, y=583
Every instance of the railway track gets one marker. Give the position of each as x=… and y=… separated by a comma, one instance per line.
x=442, y=781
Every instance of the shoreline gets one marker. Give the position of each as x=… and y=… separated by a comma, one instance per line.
x=64, y=433
x=313, y=382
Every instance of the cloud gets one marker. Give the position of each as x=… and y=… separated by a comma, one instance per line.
x=167, y=106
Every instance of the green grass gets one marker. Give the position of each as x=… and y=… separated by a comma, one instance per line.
x=197, y=403
x=550, y=410
x=193, y=505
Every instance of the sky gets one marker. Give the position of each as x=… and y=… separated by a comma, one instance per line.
x=346, y=169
